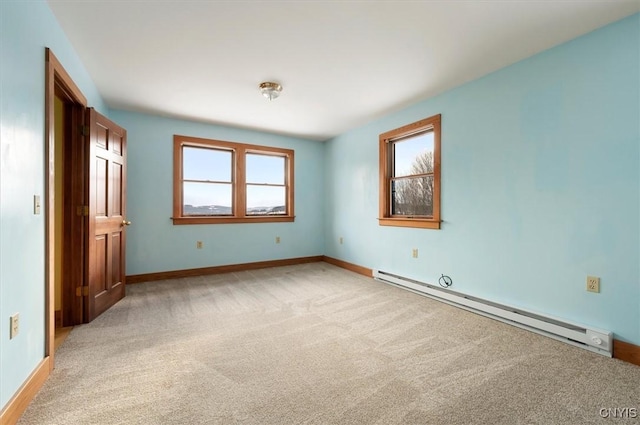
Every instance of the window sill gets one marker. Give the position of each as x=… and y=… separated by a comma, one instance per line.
x=231, y=220
x=410, y=222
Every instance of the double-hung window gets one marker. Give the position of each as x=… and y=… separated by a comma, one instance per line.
x=410, y=175
x=226, y=182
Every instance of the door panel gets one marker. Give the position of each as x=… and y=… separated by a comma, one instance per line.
x=116, y=181
x=99, y=282
x=116, y=261
x=107, y=206
x=101, y=187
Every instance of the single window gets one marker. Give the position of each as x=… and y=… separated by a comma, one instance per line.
x=207, y=187
x=226, y=182
x=266, y=188
x=410, y=175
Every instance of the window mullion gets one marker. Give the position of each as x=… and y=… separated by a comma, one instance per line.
x=390, y=173
x=267, y=184
x=206, y=181
x=240, y=183
x=412, y=176
x=286, y=184
x=288, y=181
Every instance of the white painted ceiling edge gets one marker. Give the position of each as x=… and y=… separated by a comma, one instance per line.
x=341, y=64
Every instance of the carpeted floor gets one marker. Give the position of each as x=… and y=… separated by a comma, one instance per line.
x=315, y=344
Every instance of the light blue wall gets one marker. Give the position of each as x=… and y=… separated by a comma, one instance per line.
x=154, y=244
x=26, y=28
x=540, y=185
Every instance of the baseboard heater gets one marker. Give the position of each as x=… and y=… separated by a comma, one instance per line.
x=595, y=340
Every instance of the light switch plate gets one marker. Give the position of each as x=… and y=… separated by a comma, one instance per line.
x=36, y=204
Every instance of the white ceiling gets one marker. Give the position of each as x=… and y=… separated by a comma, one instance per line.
x=341, y=63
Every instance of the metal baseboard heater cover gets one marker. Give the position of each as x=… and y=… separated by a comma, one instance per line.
x=595, y=340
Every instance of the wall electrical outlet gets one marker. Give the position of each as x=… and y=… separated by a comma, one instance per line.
x=341, y=240
x=593, y=284
x=15, y=325
x=414, y=253
x=199, y=244
x=277, y=239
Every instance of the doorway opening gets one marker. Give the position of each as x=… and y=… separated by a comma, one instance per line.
x=65, y=195
x=85, y=207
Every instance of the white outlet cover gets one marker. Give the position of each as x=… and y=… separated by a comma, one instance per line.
x=15, y=325
x=593, y=284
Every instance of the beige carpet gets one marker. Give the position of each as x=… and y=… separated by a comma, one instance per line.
x=315, y=344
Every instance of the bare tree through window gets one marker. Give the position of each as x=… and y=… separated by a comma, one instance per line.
x=410, y=175
x=413, y=195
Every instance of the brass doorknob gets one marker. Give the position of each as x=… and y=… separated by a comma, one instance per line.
x=126, y=223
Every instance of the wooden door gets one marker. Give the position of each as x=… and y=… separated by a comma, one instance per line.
x=107, y=220
x=74, y=195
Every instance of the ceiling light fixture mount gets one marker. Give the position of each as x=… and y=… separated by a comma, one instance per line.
x=270, y=90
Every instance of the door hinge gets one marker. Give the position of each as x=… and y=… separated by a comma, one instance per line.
x=82, y=291
x=84, y=130
x=82, y=210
